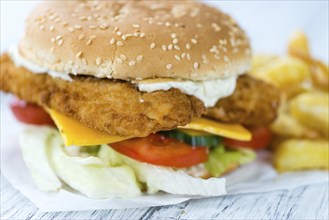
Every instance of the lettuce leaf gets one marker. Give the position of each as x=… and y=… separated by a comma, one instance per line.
x=34, y=143
x=86, y=174
x=168, y=180
x=221, y=161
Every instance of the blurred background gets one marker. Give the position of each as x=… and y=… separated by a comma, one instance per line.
x=268, y=23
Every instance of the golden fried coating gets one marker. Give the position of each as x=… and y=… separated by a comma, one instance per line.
x=253, y=103
x=110, y=106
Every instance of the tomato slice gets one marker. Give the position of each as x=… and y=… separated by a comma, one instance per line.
x=30, y=113
x=261, y=137
x=160, y=150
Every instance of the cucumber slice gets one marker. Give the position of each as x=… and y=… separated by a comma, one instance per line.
x=207, y=140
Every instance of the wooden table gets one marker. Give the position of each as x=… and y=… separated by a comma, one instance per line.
x=308, y=202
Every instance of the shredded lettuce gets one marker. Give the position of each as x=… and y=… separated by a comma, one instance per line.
x=221, y=161
x=34, y=143
x=168, y=180
x=88, y=175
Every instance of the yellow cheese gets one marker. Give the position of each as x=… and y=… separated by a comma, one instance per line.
x=77, y=134
x=233, y=131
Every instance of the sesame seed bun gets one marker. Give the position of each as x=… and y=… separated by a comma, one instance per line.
x=135, y=40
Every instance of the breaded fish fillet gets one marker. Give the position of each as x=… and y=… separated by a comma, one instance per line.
x=114, y=107
x=253, y=103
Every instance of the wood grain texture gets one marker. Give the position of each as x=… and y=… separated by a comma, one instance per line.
x=309, y=202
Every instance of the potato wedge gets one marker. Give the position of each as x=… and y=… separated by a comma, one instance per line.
x=294, y=154
x=287, y=126
x=298, y=44
x=311, y=109
x=286, y=72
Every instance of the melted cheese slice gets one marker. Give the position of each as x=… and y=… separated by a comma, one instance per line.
x=77, y=134
x=233, y=131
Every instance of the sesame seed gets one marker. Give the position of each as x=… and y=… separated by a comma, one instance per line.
x=52, y=40
x=169, y=66
x=124, y=37
x=196, y=65
x=81, y=36
x=175, y=41
x=132, y=63
x=188, y=56
x=98, y=61
x=89, y=42
x=65, y=23
x=139, y=58
x=222, y=41
x=123, y=57
x=92, y=27
x=119, y=60
x=152, y=46
x=216, y=27
x=177, y=57
x=173, y=35
x=170, y=47
x=183, y=55
x=78, y=55
x=51, y=28
x=71, y=29
x=82, y=18
x=142, y=35
x=60, y=42
x=188, y=46
x=136, y=34
x=112, y=41
x=116, y=28
x=119, y=43
x=176, y=47
x=135, y=26
x=59, y=37
x=103, y=26
x=164, y=47
x=194, y=41
x=167, y=24
x=79, y=27
x=119, y=33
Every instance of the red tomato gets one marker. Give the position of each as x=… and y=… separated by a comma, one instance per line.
x=30, y=113
x=261, y=137
x=160, y=150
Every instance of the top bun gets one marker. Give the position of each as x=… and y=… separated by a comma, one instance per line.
x=135, y=40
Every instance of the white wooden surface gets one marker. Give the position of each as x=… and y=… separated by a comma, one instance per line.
x=309, y=202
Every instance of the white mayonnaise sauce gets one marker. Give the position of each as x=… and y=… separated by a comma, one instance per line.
x=20, y=61
x=209, y=91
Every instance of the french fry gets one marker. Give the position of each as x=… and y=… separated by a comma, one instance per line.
x=285, y=72
x=297, y=154
x=320, y=75
x=311, y=109
x=298, y=47
x=261, y=60
x=287, y=126
x=298, y=44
